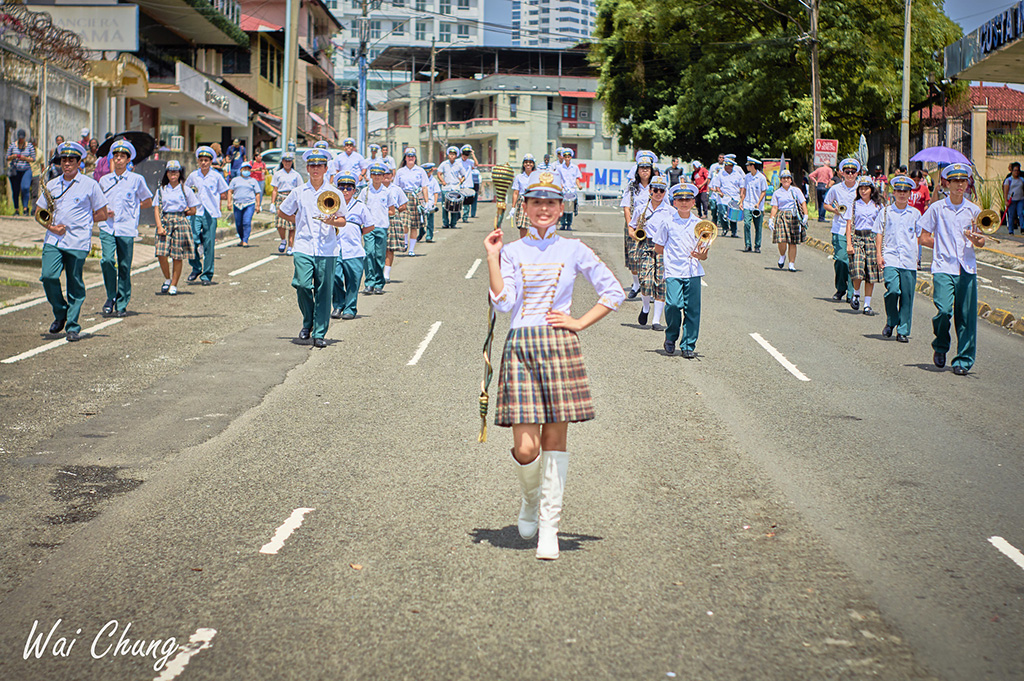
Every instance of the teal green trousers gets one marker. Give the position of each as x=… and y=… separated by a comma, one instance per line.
x=842, y=266
x=956, y=297
x=682, y=302
x=58, y=260
x=899, y=298
x=116, y=264
x=313, y=282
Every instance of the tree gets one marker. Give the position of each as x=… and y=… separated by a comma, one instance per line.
x=700, y=77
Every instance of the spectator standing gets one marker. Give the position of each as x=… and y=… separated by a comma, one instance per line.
x=700, y=180
x=259, y=168
x=821, y=180
x=920, y=196
x=1013, y=193
x=90, y=159
x=102, y=163
x=20, y=156
x=475, y=174
x=235, y=157
x=674, y=173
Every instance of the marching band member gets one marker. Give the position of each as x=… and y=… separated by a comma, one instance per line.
x=752, y=194
x=863, y=243
x=127, y=194
x=78, y=202
x=386, y=158
x=397, y=204
x=468, y=163
x=571, y=179
x=377, y=198
x=635, y=197
x=542, y=384
x=349, y=267
x=211, y=188
x=900, y=231
x=316, y=247
x=519, y=186
x=842, y=194
x=285, y=179
x=173, y=205
x=677, y=242
x=948, y=227
x=433, y=199
x=788, y=219
x=450, y=174
x=413, y=181
x=652, y=267
x=730, y=180
x=246, y=197
x=348, y=159
x=714, y=186
x=374, y=157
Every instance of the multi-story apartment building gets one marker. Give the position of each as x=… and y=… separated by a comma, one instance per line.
x=550, y=23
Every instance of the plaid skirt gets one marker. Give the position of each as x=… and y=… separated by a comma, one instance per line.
x=652, y=271
x=520, y=221
x=177, y=244
x=632, y=253
x=788, y=229
x=396, y=233
x=864, y=259
x=279, y=222
x=542, y=378
x=411, y=216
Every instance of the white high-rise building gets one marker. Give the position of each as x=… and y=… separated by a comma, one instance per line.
x=552, y=23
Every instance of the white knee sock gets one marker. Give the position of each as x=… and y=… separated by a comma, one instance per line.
x=636, y=282
x=867, y=301
x=387, y=271
x=659, y=310
x=412, y=245
x=647, y=303
x=782, y=260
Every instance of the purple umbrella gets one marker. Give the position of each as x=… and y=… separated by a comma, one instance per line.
x=941, y=155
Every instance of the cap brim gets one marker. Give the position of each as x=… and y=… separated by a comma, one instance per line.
x=543, y=194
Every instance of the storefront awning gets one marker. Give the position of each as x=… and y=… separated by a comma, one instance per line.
x=194, y=97
x=579, y=94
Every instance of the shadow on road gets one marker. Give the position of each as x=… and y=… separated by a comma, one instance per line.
x=508, y=538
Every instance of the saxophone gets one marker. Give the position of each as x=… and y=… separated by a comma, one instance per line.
x=44, y=216
x=639, y=233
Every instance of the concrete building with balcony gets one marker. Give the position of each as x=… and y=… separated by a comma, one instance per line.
x=505, y=102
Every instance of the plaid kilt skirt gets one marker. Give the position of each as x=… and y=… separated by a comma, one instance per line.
x=279, y=222
x=788, y=229
x=864, y=259
x=520, y=221
x=632, y=252
x=542, y=378
x=396, y=233
x=652, y=271
x=411, y=216
x=177, y=244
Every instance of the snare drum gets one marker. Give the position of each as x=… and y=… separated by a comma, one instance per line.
x=453, y=201
x=735, y=213
x=568, y=202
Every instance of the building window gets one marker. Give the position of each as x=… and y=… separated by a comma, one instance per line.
x=513, y=105
x=398, y=28
x=421, y=6
x=375, y=30
x=444, y=34
x=463, y=31
x=445, y=6
x=513, y=144
x=422, y=28
x=551, y=103
x=463, y=4
x=398, y=3
x=332, y=4
x=236, y=61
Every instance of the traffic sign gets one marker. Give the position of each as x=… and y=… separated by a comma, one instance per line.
x=826, y=153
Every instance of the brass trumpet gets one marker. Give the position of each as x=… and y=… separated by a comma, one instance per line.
x=842, y=209
x=328, y=204
x=705, y=231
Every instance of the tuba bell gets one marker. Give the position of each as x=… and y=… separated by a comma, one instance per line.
x=988, y=221
x=705, y=231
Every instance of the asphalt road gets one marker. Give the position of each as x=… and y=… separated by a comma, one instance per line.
x=724, y=519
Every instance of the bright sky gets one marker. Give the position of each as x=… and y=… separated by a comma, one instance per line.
x=973, y=13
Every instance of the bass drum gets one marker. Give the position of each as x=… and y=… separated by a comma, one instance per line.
x=453, y=201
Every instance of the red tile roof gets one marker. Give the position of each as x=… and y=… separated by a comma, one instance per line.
x=1005, y=105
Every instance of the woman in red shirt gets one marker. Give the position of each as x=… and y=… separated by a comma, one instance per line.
x=920, y=197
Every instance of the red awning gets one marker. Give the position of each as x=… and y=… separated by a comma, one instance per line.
x=252, y=24
x=581, y=94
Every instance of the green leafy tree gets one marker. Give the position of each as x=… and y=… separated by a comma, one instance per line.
x=701, y=77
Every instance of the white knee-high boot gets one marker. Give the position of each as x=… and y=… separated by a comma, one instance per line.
x=556, y=464
x=529, y=475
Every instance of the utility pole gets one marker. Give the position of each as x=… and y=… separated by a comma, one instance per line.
x=815, y=73
x=364, y=37
x=430, y=105
x=291, y=57
x=905, y=108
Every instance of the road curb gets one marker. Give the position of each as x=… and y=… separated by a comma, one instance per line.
x=1000, y=318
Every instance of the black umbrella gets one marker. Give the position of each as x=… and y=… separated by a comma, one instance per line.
x=142, y=141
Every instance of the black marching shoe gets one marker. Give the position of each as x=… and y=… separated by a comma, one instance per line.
x=347, y=316
x=108, y=307
x=319, y=343
x=121, y=313
x=304, y=334
x=868, y=311
x=959, y=371
x=657, y=327
x=165, y=287
x=855, y=302
x=73, y=336
x=939, y=359
x=336, y=313
x=632, y=293
x=838, y=297
x=57, y=326
x=207, y=282
x=747, y=250
x=757, y=250
x=689, y=354
x=641, y=318
x=192, y=276
x=902, y=339
x=670, y=347
x=887, y=331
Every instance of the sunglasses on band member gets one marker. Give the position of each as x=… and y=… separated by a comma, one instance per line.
x=347, y=186
x=849, y=172
x=657, y=191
